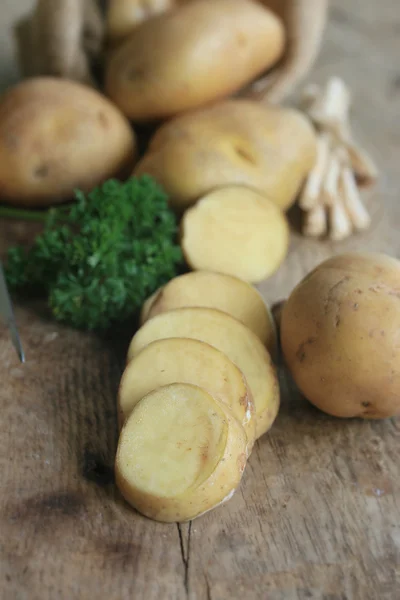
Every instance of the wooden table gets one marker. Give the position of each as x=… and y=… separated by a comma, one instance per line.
x=318, y=511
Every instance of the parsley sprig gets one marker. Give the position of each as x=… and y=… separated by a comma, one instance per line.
x=98, y=259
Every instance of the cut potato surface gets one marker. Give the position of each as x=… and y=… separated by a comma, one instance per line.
x=180, y=453
x=229, y=336
x=217, y=290
x=237, y=231
x=187, y=361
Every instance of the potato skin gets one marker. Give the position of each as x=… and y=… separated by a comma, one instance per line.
x=56, y=136
x=148, y=305
x=196, y=54
x=124, y=15
x=235, y=142
x=340, y=336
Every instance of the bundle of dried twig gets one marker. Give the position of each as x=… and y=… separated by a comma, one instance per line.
x=331, y=198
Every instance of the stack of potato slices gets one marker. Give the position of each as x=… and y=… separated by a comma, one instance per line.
x=199, y=388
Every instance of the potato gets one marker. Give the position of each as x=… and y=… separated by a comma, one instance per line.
x=216, y=290
x=58, y=135
x=235, y=142
x=188, y=57
x=124, y=15
x=187, y=361
x=236, y=231
x=229, y=336
x=340, y=336
x=147, y=305
x=180, y=454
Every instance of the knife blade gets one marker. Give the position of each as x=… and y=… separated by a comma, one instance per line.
x=7, y=313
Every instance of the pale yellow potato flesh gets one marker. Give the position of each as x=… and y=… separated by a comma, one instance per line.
x=340, y=336
x=188, y=57
x=180, y=453
x=187, y=361
x=56, y=136
x=235, y=142
x=217, y=290
x=235, y=230
x=229, y=336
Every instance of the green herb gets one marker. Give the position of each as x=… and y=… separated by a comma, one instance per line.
x=98, y=260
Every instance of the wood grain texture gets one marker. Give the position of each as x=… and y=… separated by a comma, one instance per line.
x=318, y=512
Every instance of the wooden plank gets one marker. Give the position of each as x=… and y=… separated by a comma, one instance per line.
x=65, y=530
x=318, y=512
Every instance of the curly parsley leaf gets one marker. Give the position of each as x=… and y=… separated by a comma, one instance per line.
x=98, y=260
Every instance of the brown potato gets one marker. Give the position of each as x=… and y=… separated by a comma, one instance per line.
x=180, y=454
x=188, y=57
x=235, y=142
x=217, y=290
x=340, y=336
x=229, y=336
x=124, y=15
x=187, y=361
x=56, y=136
x=235, y=230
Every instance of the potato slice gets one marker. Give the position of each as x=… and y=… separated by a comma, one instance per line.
x=229, y=336
x=147, y=305
x=181, y=453
x=187, y=361
x=217, y=290
x=236, y=231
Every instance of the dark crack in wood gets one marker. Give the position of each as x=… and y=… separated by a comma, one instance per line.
x=185, y=552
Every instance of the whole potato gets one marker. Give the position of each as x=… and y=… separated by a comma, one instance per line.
x=239, y=142
x=124, y=15
x=200, y=52
x=58, y=135
x=340, y=336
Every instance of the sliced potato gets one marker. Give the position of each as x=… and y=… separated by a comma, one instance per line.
x=147, y=305
x=229, y=336
x=180, y=453
x=236, y=231
x=187, y=361
x=217, y=290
